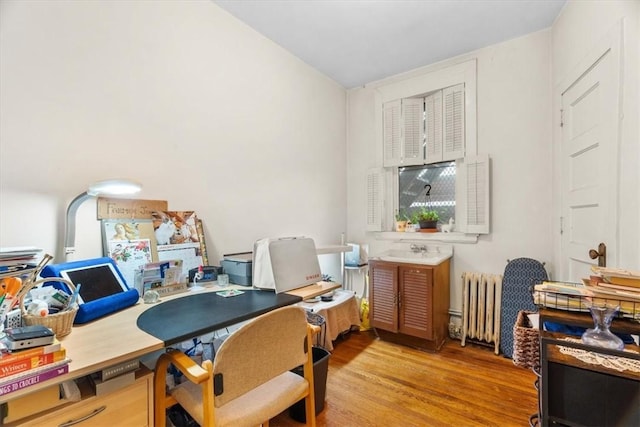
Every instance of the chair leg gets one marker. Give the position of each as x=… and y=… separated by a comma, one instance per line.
x=310, y=410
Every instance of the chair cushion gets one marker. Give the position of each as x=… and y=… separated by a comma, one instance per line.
x=251, y=408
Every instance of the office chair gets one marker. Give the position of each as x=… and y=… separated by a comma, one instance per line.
x=250, y=380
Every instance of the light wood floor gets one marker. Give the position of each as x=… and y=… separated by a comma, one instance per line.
x=376, y=383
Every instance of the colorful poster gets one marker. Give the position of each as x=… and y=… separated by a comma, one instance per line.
x=128, y=230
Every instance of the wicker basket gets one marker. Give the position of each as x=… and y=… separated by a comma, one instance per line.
x=60, y=323
x=526, y=342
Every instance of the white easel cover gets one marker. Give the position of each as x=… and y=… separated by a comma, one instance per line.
x=284, y=264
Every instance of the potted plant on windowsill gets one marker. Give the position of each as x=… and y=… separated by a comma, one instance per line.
x=401, y=221
x=427, y=218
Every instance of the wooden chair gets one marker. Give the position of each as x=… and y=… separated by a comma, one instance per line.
x=250, y=380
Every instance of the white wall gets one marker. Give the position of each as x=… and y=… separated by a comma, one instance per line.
x=180, y=96
x=513, y=106
x=576, y=31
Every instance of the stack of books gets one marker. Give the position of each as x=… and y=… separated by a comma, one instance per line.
x=612, y=281
x=24, y=368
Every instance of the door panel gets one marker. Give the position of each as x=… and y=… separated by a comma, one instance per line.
x=416, y=301
x=589, y=151
x=384, y=309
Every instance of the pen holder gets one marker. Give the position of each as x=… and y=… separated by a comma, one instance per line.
x=60, y=323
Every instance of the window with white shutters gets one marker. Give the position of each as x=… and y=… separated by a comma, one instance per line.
x=428, y=129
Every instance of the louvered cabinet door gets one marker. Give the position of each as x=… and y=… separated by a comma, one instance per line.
x=383, y=287
x=392, y=133
x=412, y=131
x=433, y=127
x=415, y=301
x=453, y=136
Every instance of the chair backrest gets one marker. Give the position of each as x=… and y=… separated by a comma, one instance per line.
x=260, y=350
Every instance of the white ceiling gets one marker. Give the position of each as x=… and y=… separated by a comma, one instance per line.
x=359, y=41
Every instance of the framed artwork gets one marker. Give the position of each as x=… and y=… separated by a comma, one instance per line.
x=130, y=243
x=178, y=237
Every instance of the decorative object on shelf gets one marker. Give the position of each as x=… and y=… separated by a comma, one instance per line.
x=448, y=228
x=401, y=221
x=600, y=335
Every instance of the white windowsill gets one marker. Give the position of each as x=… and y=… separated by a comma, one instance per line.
x=436, y=237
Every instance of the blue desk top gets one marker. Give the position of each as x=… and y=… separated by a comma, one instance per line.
x=183, y=318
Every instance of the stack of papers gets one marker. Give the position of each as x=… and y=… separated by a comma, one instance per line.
x=580, y=296
x=18, y=260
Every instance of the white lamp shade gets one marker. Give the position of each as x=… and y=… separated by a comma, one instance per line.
x=116, y=187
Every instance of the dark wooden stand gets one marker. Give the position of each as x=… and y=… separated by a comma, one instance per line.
x=575, y=393
x=409, y=303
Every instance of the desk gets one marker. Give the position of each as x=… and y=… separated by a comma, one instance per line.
x=115, y=338
x=203, y=312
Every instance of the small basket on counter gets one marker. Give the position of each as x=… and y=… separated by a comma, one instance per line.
x=60, y=323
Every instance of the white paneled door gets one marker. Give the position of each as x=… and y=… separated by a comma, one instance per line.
x=589, y=173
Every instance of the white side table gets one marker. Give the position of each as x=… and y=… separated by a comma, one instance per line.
x=359, y=270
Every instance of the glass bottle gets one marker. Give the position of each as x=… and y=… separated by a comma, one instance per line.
x=600, y=335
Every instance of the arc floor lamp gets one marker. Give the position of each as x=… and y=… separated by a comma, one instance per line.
x=111, y=187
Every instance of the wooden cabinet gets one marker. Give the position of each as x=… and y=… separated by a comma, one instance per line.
x=409, y=303
x=129, y=406
x=585, y=391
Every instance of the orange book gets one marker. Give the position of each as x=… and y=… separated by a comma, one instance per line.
x=28, y=363
x=10, y=356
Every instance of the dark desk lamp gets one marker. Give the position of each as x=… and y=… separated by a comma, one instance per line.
x=111, y=187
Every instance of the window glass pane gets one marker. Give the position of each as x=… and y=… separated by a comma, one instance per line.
x=412, y=193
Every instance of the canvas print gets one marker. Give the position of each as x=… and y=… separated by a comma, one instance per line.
x=176, y=233
x=128, y=230
x=175, y=227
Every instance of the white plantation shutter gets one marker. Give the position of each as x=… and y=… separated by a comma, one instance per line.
x=433, y=127
x=391, y=133
x=453, y=128
x=412, y=131
x=375, y=197
x=472, y=194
